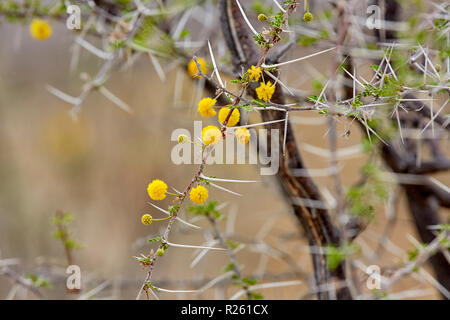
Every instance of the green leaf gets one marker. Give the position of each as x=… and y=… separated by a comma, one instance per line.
x=259, y=103
x=412, y=254
x=38, y=282
x=306, y=41
x=58, y=234
x=247, y=107
x=149, y=285
x=72, y=244
x=233, y=245
x=228, y=267
x=205, y=209
x=334, y=257
x=249, y=281
x=256, y=296
x=184, y=34
x=155, y=239
x=173, y=209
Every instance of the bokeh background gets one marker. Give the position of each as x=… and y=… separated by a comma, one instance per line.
x=98, y=168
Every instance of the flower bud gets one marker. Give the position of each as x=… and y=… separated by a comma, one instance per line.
x=182, y=138
x=262, y=17
x=160, y=252
x=308, y=17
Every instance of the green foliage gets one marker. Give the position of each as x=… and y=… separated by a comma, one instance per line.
x=445, y=243
x=233, y=245
x=72, y=244
x=317, y=85
x=249, y=281
x=208, y=209
x=381, y=294
x=37, y=281
x=259, y=7
x=335, y=255
x=390, y=90
x=256, y=296
x=365, y=197
x=357, y=102
x=246, y=107
x=145, y=261
x=327, y=14
x=277, y=20
x=259, y=103
x=173, y=209
x=184, y=33
x=149, y=285
x=155, y=239
x=246, y=282
x=306, y=41
x=440, y=23
x=65, y=218
x=444, y=227
x=228, y=267
x=259, y=39
x=412, y=254
x=62, y=221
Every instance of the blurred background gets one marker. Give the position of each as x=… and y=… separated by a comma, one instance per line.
x=99, y=166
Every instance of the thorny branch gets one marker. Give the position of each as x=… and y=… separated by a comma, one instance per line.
x=403, y=158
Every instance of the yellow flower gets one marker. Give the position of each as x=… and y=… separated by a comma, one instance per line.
x=308, y=17
x=211, y=135
x=205, y=107
x=262, y=17
x=234, y=118
x=199, y=194
x=242, y=135
x=147, y=219
x=182, y=138
x=265, y=91
x=254, y=73
x=40, y=29
x=193, y=70
x=157, y=189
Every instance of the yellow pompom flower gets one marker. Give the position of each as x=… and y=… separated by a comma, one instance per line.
x=147, y=219
x=234, y=118
x=205, y=107
x=242, y=135
x=265, y=91
x=211, y=135
x=254, y=73
x=199, y=194
x=157, y=189
x=262, y=17
x=193, y=69
x=40, y=29
x=182, y=138
x=308, y=17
